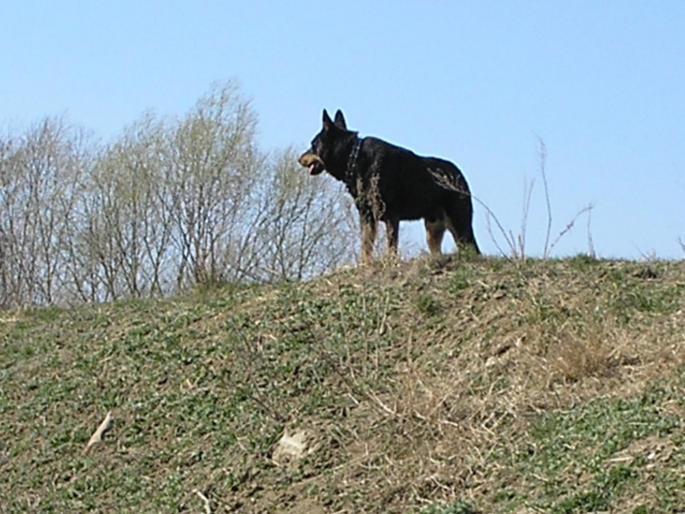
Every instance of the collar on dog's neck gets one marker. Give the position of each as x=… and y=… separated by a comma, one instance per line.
x=354, y=154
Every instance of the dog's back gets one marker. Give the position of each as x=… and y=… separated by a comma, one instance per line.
x=407, y=181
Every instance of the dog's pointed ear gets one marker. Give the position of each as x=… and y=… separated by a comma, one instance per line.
x=340, y=120
x=327, y=121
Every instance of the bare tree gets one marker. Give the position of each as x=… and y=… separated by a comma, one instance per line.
x=8, y=195
x=126, y=225
x=303, y=226
x=39, y=185
x=214, y=165
x=167, y=205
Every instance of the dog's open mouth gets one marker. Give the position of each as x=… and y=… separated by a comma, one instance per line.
x=315, y=168
x=312, y=162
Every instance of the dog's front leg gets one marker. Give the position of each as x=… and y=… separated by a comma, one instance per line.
x=392, y=229
x=368, y=239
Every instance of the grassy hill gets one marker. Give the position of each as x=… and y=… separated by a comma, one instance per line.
x=435, y=388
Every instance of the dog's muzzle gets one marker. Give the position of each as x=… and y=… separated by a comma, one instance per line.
x=311, y=161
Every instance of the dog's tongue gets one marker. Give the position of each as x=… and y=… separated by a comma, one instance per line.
x=312, y=169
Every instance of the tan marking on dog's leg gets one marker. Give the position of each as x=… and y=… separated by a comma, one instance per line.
x=392, y=229
x=452, y=230
x=460, y=242
x=434, y=233
x=368, y=241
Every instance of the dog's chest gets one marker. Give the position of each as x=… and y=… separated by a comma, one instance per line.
x=372, y=193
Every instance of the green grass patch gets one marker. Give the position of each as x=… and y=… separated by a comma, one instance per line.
x=418, y=384
x=573, y=450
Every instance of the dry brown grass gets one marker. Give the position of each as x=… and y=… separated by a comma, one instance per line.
x=475, y=384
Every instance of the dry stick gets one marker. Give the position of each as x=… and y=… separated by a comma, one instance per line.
x=97, y=435
x=492, y=237
x=548, y=203
x=570, y=225
x=205, y=500
x=548, y=248
x=647, y=256
x=509, y=238
x=527, y=195
x=510, y=242
x=590, y=244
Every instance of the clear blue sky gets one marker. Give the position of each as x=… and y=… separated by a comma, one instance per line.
x=601, y=82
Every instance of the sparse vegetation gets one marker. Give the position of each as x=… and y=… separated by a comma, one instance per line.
x=457, y=386
x=514, y=245
x=167, y=205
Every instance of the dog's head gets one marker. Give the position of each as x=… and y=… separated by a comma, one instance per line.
x=324, y=145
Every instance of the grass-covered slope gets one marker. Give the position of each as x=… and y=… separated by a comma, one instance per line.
x=478, y=386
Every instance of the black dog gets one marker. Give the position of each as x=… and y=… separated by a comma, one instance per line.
x=389, y=183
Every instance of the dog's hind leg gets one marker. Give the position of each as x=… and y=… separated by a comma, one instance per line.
x=392, y=230
x=462, y=231
x=368, y=240
x=435, y=230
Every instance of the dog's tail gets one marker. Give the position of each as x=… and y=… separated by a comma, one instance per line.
x=453, y=180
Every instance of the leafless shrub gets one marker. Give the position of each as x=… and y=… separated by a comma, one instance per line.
x=39, y=183
x=301, y=226
x=123, y=241
x=7, y=199
x=214, y=165
x=516, y=244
